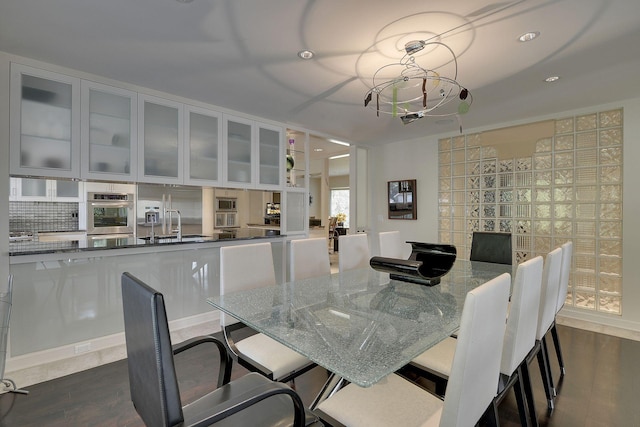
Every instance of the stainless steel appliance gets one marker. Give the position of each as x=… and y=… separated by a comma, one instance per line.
x=228, y=204
x=226, y=213
x=110, y=213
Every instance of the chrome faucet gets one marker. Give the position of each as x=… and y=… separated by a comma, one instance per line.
x=179, y=229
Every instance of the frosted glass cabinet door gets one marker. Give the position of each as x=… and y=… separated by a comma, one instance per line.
x=270, y=156
x=47, y=190
x=239, y=151
x=203, y=136
x=296, y=212
x=109, y=123
x=45, y=123
x=160, y=140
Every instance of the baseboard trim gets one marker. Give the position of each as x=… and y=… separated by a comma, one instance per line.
x=54, y=363
x=595, y=322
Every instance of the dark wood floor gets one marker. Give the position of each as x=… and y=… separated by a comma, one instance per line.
x=601, y=388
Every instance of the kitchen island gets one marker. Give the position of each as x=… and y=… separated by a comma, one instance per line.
x=34, y=247
x=67, y=302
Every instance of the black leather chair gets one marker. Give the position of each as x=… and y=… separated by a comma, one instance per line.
x=491, y=247
x=251, y=400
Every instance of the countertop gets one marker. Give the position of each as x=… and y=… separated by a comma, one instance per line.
x=35, y=247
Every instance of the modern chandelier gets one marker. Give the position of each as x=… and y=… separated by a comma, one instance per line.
x=410, y=91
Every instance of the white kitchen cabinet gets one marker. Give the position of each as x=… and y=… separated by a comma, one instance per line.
x=109, y=132
x=253, y=154
x=296, y=212
x=203, y=146
x=46, y=190
x=160, y=139
x=109, y=187
x=45, y=123
x=296, y=159
x=295, y=204
x=238, y=154
x=270, y=156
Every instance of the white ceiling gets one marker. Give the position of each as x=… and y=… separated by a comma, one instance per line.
x=241, y=54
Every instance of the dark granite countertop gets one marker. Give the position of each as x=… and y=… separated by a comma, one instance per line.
x=91, y=244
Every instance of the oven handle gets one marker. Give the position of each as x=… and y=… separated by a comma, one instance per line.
x=127, y=205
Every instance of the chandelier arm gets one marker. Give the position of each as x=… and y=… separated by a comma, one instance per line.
x=415, y=87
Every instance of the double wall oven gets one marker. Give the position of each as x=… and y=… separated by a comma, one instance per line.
x=110, y=214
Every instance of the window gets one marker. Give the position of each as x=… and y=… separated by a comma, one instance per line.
x=340, y=203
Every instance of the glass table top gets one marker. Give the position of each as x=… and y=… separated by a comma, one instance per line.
x=359, y=324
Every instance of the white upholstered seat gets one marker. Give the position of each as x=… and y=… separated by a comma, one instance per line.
x=247, y=267
x=394, y=401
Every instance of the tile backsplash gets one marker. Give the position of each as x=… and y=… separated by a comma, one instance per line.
x=43, y=216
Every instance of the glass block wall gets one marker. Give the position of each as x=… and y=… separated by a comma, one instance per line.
x=569, y=187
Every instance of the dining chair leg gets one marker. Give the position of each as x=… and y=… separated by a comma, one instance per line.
x=528, y=392
x=544, y=371
x=556, y=343
x=519, y=390
x=545, y=349
x=490, y=416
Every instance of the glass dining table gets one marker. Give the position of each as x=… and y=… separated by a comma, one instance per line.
x=359, y=324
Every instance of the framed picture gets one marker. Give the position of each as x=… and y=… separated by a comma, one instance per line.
x=402, y=199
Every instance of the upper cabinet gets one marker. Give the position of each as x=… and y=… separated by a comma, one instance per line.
x=253, y=155
x=160, y=139
x=66, y=127
x=296, y=159
x=45, y=190
x=203, y=146
x=45, y=123
x=109, y=133
x=239, y=155
x=270, y=156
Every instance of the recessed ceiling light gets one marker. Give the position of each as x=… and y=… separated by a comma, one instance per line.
x=339, y=156
x=317, y=150
x=305, y=54
x=527, y=37
x=552, y=79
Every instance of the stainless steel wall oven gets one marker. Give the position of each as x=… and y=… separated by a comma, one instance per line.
x=110, y=213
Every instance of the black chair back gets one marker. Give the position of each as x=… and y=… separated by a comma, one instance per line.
x=491, y=247
x=152, y=377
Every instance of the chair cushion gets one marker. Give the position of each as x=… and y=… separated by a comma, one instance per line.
x=438, y=358
x=393, y=401
x=274, y=356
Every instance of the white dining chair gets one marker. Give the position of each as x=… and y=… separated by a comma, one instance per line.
x=520, y=337
x=245, y=267
x=565, y=272
x=309, y=258
x=354, y=252
x=391, y=245
x=546, y=314
x=395, y=401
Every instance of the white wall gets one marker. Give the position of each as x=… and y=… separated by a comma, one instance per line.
x=418, y=159
x=315, y=192
x=415, y=159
